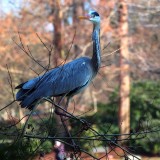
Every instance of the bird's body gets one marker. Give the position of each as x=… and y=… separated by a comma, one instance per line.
x=66, y=80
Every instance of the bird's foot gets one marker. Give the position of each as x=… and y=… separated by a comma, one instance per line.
x=62, y=114
x=86, y=125
x=76, y=150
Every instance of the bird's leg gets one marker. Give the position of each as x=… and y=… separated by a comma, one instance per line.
x=61, y=152
x=61, y=99
x=63, y=116
x=63, y=113
x=67, y=103
x=58, y=109
x=75, y=147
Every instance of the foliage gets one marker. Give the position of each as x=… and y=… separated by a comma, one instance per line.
x=16, y=147
x=145, y=115
x=25, y=148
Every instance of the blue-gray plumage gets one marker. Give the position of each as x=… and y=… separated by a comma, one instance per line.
x=68, y=79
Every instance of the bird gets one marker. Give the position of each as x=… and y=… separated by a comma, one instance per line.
x=65, y=80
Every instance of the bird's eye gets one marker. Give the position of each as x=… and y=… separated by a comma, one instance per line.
x=92, y=16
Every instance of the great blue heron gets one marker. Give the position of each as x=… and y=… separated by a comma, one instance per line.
x=66, y=80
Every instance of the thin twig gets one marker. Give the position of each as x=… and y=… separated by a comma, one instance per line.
x=10, y=82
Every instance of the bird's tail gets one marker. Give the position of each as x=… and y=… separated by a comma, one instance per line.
x=24, y=96
x=28, y=106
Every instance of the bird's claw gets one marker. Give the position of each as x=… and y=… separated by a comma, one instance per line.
x=86, y=125
x=77, y=149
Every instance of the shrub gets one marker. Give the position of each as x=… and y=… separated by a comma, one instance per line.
x=145, y=116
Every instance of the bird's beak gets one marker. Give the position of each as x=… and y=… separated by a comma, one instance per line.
x=84, y=17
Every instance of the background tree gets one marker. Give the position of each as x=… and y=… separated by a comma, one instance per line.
x=124, y=106
x=31, y=17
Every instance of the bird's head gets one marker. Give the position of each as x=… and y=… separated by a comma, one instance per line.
x=92, y=16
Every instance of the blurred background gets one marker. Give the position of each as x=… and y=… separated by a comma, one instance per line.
x=128, y=83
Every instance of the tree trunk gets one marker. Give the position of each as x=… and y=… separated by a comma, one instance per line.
x=59, y=147
x=124, y=105
x=57, y=36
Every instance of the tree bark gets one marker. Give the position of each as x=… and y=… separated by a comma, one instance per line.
x=124, y=105
x=57, y=36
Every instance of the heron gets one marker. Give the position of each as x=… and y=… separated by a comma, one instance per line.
x=66, y=80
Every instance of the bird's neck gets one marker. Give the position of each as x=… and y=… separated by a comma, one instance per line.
x=96, y=58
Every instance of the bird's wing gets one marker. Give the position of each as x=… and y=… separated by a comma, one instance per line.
x=61, y=80
x=65, y=79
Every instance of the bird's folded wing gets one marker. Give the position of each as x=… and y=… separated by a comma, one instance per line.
x=65, y=78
